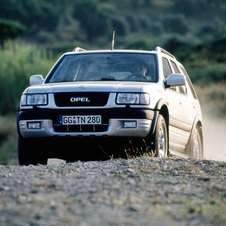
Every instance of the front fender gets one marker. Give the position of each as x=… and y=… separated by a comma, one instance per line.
x=160, y=108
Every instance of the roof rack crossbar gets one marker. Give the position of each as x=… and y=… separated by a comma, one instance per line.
x=159, y=49
x=78, y=49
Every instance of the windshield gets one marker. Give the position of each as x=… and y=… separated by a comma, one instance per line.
x=105, y=67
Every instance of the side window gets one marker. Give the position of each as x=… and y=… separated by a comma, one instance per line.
x=175, y=68
x=166, y=68
x=189, y=82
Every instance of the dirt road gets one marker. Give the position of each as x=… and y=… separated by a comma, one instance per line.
x=142, y=191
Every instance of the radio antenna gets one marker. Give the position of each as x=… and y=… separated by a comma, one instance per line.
x=113, y=41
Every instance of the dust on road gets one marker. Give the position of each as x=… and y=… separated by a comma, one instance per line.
x=214, y=131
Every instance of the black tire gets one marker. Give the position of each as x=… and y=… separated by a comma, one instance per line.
x=157, y=144
x=196, y=143
x=31, y=151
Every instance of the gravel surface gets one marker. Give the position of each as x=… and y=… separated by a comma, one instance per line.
x=142, y=191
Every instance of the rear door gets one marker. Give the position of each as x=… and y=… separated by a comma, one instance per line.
x=189, y=100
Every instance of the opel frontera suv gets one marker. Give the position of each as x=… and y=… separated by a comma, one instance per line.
x=107, y=103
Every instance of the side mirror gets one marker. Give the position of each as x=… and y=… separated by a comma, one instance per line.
x=36, y=80
x=175, y=80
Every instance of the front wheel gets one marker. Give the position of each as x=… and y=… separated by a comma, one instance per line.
x=157, y=144
x=31, y=151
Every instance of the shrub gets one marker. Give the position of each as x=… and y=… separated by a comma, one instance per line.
x=217, y=44
x=8, y=140
x=120, y=26
x=142, y=44
x=207, y=73
x=144, y=22
x=178, y=47
x=207, y=29
x=91, y=18
x=132, y=22
x=18, y=63
x=10, y=30
x=176, y=24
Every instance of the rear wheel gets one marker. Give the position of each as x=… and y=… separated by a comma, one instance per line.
x=31, y=151
x=196, y=144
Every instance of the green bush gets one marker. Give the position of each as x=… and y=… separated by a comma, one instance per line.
x=142, y=44
x=206, y=73
x=207, y=29
x=120, y=26
x=181, y=49
x=18, y=63
x=133, y=22
x=217, y=43
x=176, y=24
x=92, y=19
x=8, y=140
x=10, y=30
x=193, y=6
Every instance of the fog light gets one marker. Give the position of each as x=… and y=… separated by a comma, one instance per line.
x=130, y=124
x=34, y=125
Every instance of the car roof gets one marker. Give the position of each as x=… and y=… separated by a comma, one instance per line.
x=158, y=50
x=112, y=51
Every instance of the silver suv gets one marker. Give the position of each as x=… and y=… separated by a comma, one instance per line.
x=99, y=104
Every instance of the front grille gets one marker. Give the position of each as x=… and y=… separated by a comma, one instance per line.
x=80, y=128
x=73, y=99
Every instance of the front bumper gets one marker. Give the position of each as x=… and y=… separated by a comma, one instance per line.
x=113, y=120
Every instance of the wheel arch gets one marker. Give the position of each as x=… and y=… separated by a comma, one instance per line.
x=161, y=108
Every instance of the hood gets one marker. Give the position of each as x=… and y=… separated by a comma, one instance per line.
x=102, y=86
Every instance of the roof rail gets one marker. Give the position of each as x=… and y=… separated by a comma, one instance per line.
x=159, y=49
x=78, y=49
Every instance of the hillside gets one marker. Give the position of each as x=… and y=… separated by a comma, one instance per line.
x=91, y=22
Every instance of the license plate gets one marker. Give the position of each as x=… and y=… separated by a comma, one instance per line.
x=80, y=120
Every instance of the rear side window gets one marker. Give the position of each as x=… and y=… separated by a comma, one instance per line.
x=175, y=68
x=166, y=68
x=189, y=83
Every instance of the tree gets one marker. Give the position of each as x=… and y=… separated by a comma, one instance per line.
x=176, y=24
x=142, y=44
x=10, y=30
x=189, y=7
x=120, y=26
x=178, y=47
x=35, y=14
x=147, y=3
x=91, y=18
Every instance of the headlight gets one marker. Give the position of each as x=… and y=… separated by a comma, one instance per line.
x=34, y=99
x=144, y=98
x=133, y=98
